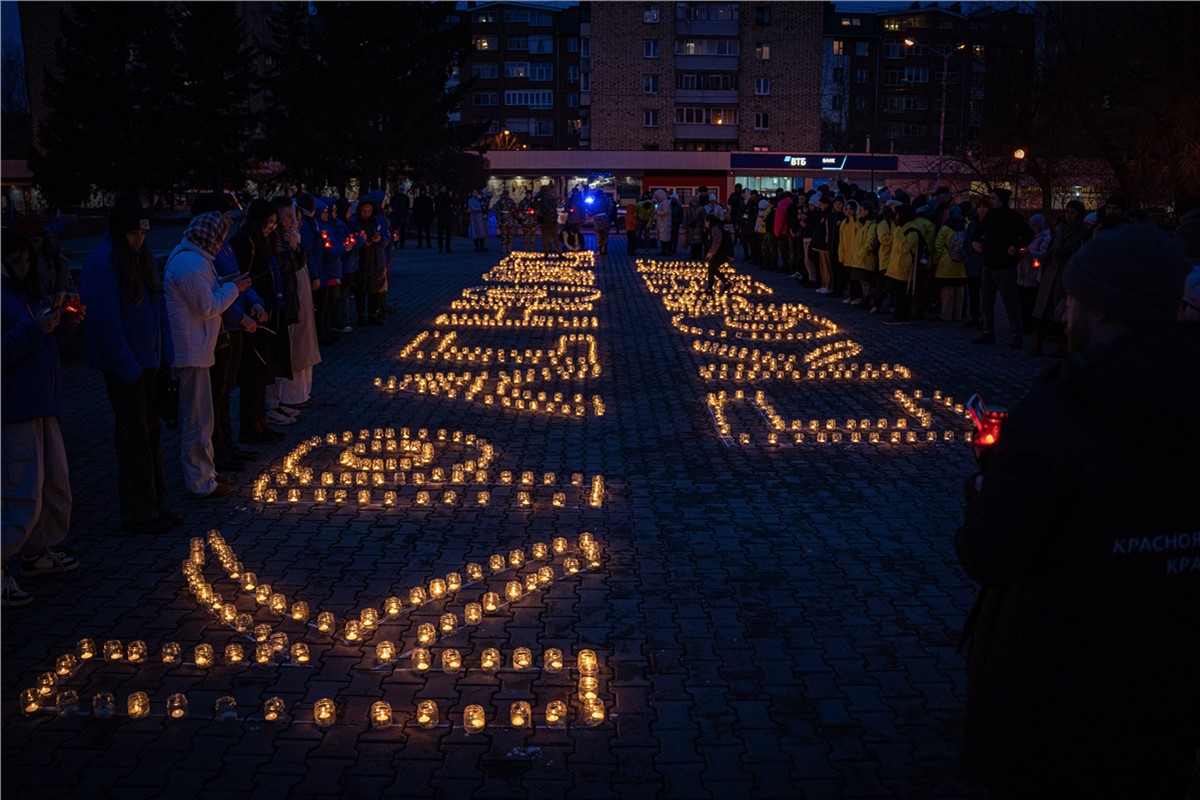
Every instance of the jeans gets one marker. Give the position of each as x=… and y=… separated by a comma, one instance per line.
x=37, y=486
x=1004, y=283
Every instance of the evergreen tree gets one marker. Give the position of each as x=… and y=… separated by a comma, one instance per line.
x=108, y=125
x=212, y=121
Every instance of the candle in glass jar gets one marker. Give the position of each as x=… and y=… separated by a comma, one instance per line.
x=274, y=709
x=473, y=613
x=427, y=714
x=324, y=712
x=137, y=705
x=177, y=706
x=474, y=719
x=381, y=714
x=520, y=715
x=556, y=714
x=299, y=653
x=490, y=659
x=451, y=661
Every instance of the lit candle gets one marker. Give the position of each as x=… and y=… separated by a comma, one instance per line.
x=138, y=705
x=324, y=712
x=448, y=622
x=437, y=588
x=242, y=623
x=202, y=655
x=496, y=563
x=368, y=618
x=522, y=658
x=264, y=654
x=545, y=575
x=559, y=545
x=261, y=632
x=587, y=663
x=490, y=659
x=552, y=659
x=519, y=714
x=325, y=621
x=171, y=653
x=299, y=653
x=113, y=650
x=491, y=602
x=353, y=631
x=473, y=614
x=539, y=550
x=571, y=565
x=474, y=571
x=516, y=558
x=392, y=606
x=556, y=714
x=427, y=714
x=262, y=593
x=420, y=659
x=474, y=719
x=416, y=595
x=453, y=582
x=274, y=709
x=426, y=633
x=300, y=611
x=381, y=714
x=234, y=654
x=66, y=664
x=385, y=652
x=451, y=661
x=31, y=701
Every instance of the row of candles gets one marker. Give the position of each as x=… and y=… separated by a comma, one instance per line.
x=426, y=715
x=482, y=321
x=446, y=351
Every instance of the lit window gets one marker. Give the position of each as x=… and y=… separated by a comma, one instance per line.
x=486, y=43
x=762, y=52
x=839, y=47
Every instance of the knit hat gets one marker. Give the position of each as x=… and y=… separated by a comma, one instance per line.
x=1132, y=272
x=1117, y=200
x=127, y=215
x=305, y=201
x=30, y=226
x=1003, y=194
x=1079, y=207
x=1038, y=219
x=954, y=214
x=207, y=231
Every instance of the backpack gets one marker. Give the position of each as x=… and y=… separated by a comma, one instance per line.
x=922, y=259
x=958, y=243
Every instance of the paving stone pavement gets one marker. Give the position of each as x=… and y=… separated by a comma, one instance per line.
x=772, y=621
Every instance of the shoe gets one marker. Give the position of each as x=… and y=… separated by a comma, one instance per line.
x=894, y=321
x=874, y=310
x=297, y=406
x=221, y=490
x=856, y=303
x=224, y=480
x=344, y=329
x=229, y=464
x=987, y=338
x=244, y=455
x=156, y=526
x=822, y=290
x=291, y=411
x=14, y=596
x=1017, y=343
x=48, y=562
x=278, y=418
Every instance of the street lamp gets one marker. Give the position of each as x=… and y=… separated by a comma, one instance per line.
x=1019, y=155
x=944, y=51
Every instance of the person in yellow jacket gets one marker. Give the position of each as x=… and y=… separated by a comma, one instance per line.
x=949, y=273
x=847, y=251
x=925, y=222
x=865, y=262
x=885, y=226
x=902, y=266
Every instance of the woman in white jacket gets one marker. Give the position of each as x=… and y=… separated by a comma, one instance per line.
x=196, y=297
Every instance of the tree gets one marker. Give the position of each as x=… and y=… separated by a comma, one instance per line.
x=212, y=122
x=108, y=124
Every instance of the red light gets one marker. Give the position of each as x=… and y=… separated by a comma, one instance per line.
x=989, y=438
x=1037, y=263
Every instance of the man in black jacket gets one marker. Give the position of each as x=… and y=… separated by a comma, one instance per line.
x=1085, y=533
x=422, y=214
x=1000, y=237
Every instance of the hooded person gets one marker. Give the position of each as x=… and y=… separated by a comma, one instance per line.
x=129, y=342
x=662, y=221
x=196, y=299
x=1083, y=535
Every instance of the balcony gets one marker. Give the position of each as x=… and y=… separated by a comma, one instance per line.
x=706, y=63
x=706, y=28
x=716, y=133
x=725, y=97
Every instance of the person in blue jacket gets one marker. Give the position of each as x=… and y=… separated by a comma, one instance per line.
x=383, y=211
x=351, y=290
x=36, y=484
x=327, y=259
x=128, y=340
x=240, y=318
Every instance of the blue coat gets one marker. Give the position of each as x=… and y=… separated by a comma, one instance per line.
x=32, y=371
x=226, y=263
x=122, y=337
x=331, y=253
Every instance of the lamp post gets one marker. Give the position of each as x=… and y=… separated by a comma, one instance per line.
x=1019, y=155
x=944, y=51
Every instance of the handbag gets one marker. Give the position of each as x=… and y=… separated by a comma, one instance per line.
x=167, y=398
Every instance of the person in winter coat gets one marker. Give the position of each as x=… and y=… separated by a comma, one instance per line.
x=53, y=271
x=748, y=220
x=949, y=272
x=662, y=221
x=973, y=262
x=128, y=340
x=848, y=250
x=527, y=215
x=506, y=220
x=833, y=231
x=1069, y=236
x=866, y=253
x=1029, y=268
x=1084, y=534
x=401, y=205
x=289, y=396
x=369, y=244
x=342, y=231
x=266, y=354
x=695, y=222
x=602, y=221
x=379, y=198
x=631, y=229
x=242, y=315
x=36, y=494
x=1002, y=234
x=902, y=264
x=478, y=211
x=445, y=211
x=646, y=222
x=196, y=297
x=422, y=216
x=720, y=250
x=820, y=243
x=546, y=207
x=783, y=241
x=926, y=263
x=677, y=217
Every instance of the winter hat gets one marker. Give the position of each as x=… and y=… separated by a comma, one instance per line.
x=1117, y=200
x=306, y=201
x=1131, y=272
x=1038, y=219
x=1003, y=194
x=30, y=226
x=954, y=214
x=1079, y=207
x=207, y=230
x=127, y=215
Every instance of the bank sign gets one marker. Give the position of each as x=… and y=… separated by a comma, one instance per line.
x=816, y=161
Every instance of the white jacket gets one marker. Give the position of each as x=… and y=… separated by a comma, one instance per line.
x=195, y=301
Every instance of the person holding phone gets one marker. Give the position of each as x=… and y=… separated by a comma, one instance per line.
x=196, y=297
x=36, y=484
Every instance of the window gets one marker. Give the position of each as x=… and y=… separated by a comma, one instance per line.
x=494, y=127
x=762, y=15
x=916, y=74
x=839, y=47
x=485, y=71
x=540, y=18
x=916, y=49
x=860, y=104
x=533, y=99
x=862, y=48
x=517, y=124
x=762, y=120
x=649, y=84
x=585, y=47
x=706, y=12
x=484, y=17
x=835, y=102
x=839, y=75
x=707, y=47
x=486, y=98
x=543, y=127
x=487, y=43
x=650, y=119
x=706, y=81
x=703, y=115
x=541, y=71
x=650, y=13
x=650, y=48
x=517, y=43
x=572, y=44
x=575, y=125
x=572, y=74
x=862, y=76
x=572, y=99
x=541, y=44
x=762, y=85
x=977, y=50
x=891, y=49
x=516, y=69
x=762, y=52
x=951, y=77
x=891, y=23
x=585, y=82
x=915, y=129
